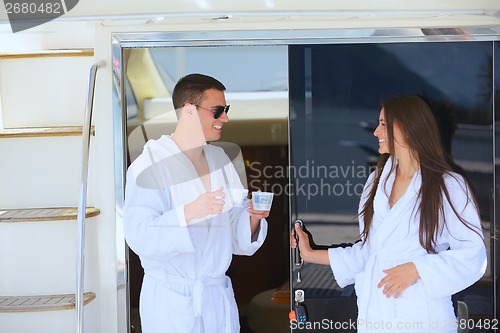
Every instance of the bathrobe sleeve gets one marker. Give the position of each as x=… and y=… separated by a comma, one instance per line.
x=455, y=269
x=242, y=241
x=349, y=261
x=153, y=227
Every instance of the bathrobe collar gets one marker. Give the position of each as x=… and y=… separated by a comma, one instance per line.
x=386, y=219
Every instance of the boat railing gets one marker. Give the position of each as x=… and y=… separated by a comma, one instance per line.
x=87, y=128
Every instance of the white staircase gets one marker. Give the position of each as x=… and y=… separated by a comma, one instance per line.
x=42, y=99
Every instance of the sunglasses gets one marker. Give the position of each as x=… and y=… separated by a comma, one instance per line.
x=217, y=110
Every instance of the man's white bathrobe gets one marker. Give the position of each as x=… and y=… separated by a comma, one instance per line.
x=185, y=288
x=426, y=305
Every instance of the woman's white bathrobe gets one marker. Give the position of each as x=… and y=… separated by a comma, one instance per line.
x=185, y=288
x=426, y=305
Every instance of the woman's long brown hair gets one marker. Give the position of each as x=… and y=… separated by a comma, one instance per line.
x=418, y=126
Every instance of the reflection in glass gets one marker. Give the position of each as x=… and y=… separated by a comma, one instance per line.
x=255, y=138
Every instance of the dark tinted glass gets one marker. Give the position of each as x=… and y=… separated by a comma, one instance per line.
x=335, y=97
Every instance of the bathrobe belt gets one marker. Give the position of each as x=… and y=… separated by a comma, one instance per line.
x=197, y=292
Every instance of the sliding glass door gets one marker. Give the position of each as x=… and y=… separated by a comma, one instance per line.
x=336, y=92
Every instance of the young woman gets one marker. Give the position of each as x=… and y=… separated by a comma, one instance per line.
x=421, y=236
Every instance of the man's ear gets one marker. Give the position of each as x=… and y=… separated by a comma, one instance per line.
x=188, y=107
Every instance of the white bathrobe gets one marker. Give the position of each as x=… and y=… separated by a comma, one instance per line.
x=185, y=288
x=426, y=305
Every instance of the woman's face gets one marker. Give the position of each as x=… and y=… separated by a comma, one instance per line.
x=381, y=134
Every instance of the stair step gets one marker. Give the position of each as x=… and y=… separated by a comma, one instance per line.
x=50, y=53
x=30, y=132
x=41, y=303
x=44, y=214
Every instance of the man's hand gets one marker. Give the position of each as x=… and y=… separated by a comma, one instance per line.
x=256, y=216
x=209, y=203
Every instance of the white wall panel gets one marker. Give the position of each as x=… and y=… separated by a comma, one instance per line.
x=44, y=91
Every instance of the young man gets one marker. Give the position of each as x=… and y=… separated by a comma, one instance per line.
x=178, y=218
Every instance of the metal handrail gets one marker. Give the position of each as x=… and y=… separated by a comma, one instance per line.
x=83, y=196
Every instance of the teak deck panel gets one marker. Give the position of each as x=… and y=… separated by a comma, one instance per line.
x=41, y=303
x=28, y=132
x=49, y=53
x=44, y=214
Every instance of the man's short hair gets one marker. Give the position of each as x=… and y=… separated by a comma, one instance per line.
x=190, y=89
